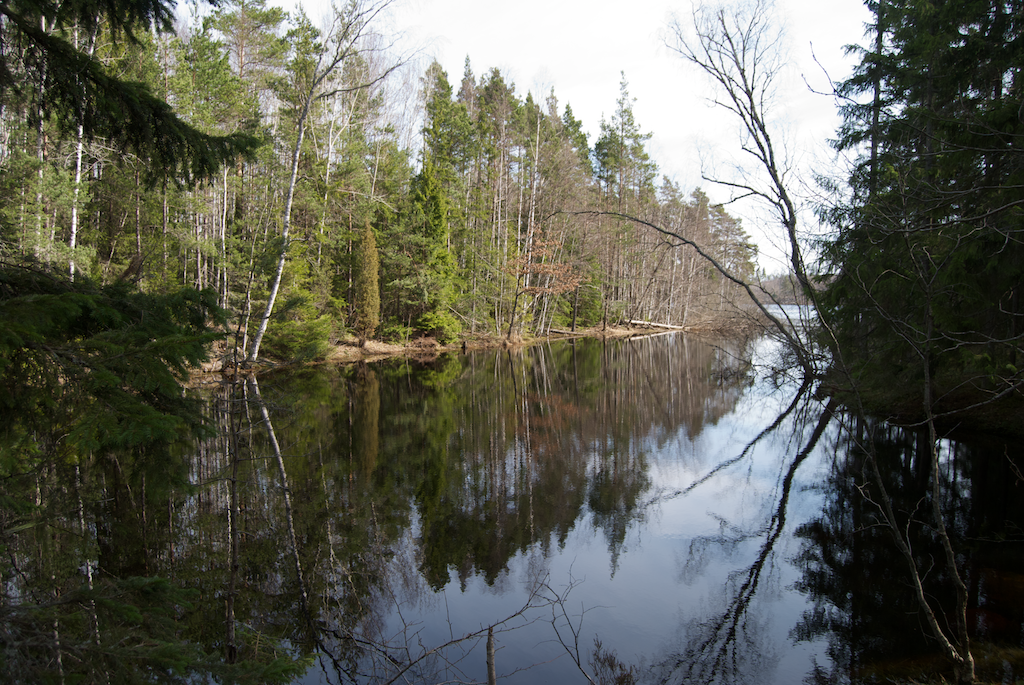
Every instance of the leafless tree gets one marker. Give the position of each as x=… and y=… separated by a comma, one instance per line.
x=739, y=49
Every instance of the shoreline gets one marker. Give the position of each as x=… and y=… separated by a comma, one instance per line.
x=348, y=351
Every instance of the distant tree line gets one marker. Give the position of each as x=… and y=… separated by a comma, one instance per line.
x=313, y=202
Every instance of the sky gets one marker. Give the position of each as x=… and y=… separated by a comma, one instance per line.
x=581, y=49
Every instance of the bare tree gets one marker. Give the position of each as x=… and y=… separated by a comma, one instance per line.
x=739, y=49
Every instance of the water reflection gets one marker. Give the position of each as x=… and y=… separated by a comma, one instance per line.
x=459, y=469
x=863, y=604
x=380, y=521
x=730, y=646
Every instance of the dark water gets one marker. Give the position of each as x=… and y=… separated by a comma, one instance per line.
x=704, y=519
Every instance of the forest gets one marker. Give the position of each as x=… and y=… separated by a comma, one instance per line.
x=925, y=259
x=340, y=203
x=174, y=177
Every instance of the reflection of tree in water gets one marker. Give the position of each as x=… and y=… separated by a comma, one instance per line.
x=401, y=475
x=130, y=570
x=491, y=455
x=617, y=483
x=504, y=459
x=733, y=645
x=545, y=432
x=862, y=603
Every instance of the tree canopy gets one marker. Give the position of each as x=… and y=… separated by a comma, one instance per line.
x=927, y=258
x=46, y=66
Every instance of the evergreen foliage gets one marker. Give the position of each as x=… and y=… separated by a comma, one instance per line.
x=92, y=378
x=927, y=261
x=429, y=282
x=74, y=88
x=90, y=369
x=367, y=287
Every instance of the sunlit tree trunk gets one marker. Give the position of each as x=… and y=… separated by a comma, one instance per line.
x=79, y=151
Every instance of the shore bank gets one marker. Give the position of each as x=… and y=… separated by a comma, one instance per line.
x=349, y=351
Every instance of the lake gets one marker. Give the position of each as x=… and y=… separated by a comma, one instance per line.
x=683, y=503
x=663, y=495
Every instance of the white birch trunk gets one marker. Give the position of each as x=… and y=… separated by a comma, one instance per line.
x=285, y=225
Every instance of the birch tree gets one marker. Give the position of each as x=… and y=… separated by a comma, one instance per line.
x=315, y=66
x=740, y=52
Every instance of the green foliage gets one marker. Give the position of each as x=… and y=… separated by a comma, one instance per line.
x=439, y=374
x=206, y=92
x=397, y=333
x=92, y=379
x=448, y=131
x=441, y=325
x=578, y=137
x=183, y=173
x=80, y=90
x=430, y=206
x=96, y=368
x=927, y=264
x=367, y=285
x=422, y=276
x=250, y=32
x=587, y=304
x=297, y=333
x=127, y=630
x=624, y=166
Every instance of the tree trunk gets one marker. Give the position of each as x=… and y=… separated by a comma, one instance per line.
x=492, y=678
x=285, y=224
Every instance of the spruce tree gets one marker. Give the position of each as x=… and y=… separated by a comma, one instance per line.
x=75, y=89
x=928, y=259
x=367, y=285
x=435, y=266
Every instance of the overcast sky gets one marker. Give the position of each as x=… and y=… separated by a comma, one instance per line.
x=581, y=47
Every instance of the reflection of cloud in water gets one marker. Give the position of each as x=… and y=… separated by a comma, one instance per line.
x=732, y=645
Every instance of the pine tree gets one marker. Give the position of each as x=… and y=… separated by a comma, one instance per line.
x=625, y=174
x=367, y=285
x=575, y=133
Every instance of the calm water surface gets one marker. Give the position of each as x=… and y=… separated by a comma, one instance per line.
x=664, y=496
x=632, y=481
x=698, y=515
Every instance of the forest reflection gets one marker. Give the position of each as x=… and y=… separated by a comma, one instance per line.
x=862, y=603
x=705, y=521
x=403, y=477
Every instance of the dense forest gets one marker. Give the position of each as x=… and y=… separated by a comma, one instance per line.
x=348, y=206
x=925, y=260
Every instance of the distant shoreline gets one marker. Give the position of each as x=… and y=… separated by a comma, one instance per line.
x=348, y=351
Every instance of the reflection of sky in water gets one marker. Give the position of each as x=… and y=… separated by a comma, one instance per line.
x=677, y=557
